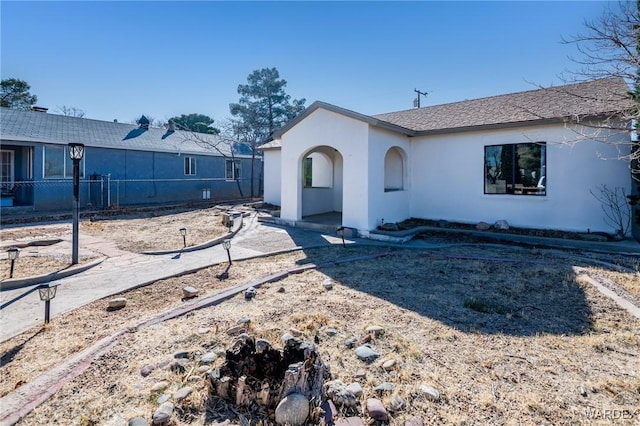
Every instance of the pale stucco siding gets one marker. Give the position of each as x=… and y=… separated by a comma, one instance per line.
x=392, y=206
x=346, y=135
x=448, y=180
x=272, y=176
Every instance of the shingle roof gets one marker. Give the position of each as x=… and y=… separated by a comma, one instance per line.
x=30, y=126
x=591, y=98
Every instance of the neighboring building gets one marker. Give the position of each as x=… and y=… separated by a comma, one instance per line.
x=123, y=164
x=507, y=157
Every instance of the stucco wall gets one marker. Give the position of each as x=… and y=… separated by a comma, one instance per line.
x=448, y=180
x=348, y=137
x=272, y=175
x=388, y=206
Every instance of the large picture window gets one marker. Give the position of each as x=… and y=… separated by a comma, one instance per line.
x=518, y=169
x=57, y=163
x=232, y=170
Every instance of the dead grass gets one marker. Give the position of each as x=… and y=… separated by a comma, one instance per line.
x=159, y=230
x=507, y=335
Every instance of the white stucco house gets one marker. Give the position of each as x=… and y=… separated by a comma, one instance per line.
x=510, y=157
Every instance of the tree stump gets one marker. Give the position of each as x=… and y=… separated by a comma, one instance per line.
x=256, y=377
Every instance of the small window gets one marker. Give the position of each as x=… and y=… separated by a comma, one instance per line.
x=57, y=164
x=189, y=166
x=233, y=171
x=518, y=169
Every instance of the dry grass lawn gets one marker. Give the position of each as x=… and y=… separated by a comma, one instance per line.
x=507, y=335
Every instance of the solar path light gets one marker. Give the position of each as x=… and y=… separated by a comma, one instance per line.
x=226, y=244
x=47, y=292
x=13, y=254
x=183, y=232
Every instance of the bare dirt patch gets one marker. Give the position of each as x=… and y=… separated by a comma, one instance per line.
x=507, y=335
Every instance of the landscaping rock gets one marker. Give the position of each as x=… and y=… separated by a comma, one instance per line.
x=117, y=303
x=190, y=292
x=396, y=403
x=483, y=226
x=146, y=370
x=365, y=353
x=389, y=364
x=376, y=409
x=250, y=293
x=138, y=421
x=164, y=398
x=208, y=358
x=376, y=330
x=360, y=374
x=293, y=410
x=430, y=392
x=182, y=393
x=159, y=387
x=384, y=387
x=351, y=342
x=355, y=389
x=331, y=332
x=503, y=225
x=162, y=415
x=182, y=354
x=244, y=320
x=328, y=284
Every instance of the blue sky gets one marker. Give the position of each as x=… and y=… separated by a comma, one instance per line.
x=121, y=59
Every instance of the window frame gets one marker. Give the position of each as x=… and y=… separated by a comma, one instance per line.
x=521, y=181
x=189, y=165
x=236, y=170
x=67, y=163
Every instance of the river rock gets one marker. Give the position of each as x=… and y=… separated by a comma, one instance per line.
x=146, y=370
x=355, y=389
x=376, y=410
x=138, y=421
x=182, y=393
x=384, y=387
x=483, y=226
x=366, y=354
x=208, y=358
x=117, y=303
x=389, y=364
x=376, y=330
x=160, y=386
x=162, y=415
x=430, y=392
x=190, y=292
x=349, y=421
x=292, y=410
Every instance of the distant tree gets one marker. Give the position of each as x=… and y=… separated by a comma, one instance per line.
x=199, y=123
x=70, y=111
x=15, y=94
x=264, y=107
x=610, y=47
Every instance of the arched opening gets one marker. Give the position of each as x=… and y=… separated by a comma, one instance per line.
x=394, y=170
x=322, y=185
x=317, y=170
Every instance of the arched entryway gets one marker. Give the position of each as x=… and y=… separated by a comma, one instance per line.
x=322, y=185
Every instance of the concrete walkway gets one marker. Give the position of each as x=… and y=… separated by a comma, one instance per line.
x=21, y=309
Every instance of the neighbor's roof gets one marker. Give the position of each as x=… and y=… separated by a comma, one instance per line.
x=31, y=126
x=592, y=98
x=586, y=99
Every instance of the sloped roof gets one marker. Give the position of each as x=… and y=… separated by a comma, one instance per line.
x=342, y=111
x=31, y=126
x=586, y=99
x=592, y=98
